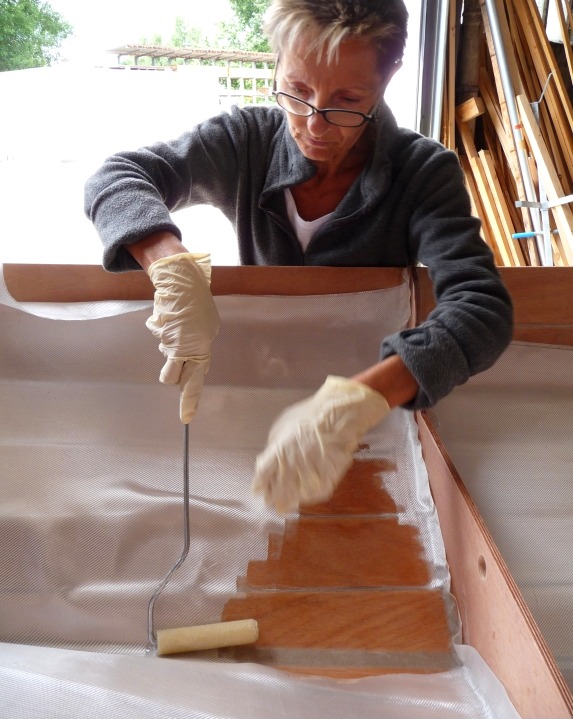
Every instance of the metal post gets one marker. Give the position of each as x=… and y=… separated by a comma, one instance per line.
x=431, y=69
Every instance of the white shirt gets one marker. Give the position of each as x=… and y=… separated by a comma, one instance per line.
x=304, y=230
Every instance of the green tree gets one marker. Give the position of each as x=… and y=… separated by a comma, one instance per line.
x=185, y=36
x=155, y=40
x=31, y=33
x=243, y=32
x=246, y=31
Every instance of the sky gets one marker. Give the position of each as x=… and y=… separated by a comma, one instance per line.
x=105, y=24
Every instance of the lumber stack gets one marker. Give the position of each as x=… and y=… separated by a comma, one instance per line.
x=513, y=129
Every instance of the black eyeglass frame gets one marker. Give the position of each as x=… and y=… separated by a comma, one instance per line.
x=324, y=112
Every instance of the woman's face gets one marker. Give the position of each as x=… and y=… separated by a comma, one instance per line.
x=351, y=83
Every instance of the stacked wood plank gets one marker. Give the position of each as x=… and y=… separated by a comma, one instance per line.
x=515, y=169
x=345, y=590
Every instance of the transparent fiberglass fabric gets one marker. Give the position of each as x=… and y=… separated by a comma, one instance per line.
x=509, y=432
x=91, y=466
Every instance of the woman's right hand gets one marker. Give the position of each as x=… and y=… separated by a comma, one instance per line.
x=185, y=320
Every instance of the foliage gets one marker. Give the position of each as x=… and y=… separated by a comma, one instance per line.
x=250, y=11
x=246, y=31
x=31, y=33
x=243, y=32
x=185, y=36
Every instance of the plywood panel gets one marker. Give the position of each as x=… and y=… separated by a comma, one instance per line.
x=334, y=552
x=345, y=590
x=543, y=311
x=360, y=492
x=365, y=631
x=495, y=618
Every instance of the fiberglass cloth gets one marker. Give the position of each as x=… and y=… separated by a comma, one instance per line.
x=91, y=460
x=522, y=411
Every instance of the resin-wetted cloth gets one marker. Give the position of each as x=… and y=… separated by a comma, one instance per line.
x=91, y=510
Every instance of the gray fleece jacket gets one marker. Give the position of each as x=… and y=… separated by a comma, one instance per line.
x=408, y=205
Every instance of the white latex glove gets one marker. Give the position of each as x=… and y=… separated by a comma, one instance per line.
x=311, y=443
x=185, y=319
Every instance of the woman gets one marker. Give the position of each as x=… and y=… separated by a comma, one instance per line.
x=326, y=178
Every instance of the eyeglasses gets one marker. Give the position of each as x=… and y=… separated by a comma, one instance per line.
x=342, y=118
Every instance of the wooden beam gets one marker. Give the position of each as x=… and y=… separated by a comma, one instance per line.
x=564, y=25
x=506, y=223
x=478, y=209
x=470, y=109
x=485, y=192
x=545, y=63
x=503, y=131
x=562, y=214
x=511, y=149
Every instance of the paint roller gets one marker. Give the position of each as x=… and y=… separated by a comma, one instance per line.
x=206, y=636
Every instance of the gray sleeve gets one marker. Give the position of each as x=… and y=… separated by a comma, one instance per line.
x=472, y=322
x=133, y=193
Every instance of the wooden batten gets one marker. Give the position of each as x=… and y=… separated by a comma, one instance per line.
x=491, y=102
x=478, y=210
x=470, y=109
x=565, y=27
x=545, y=63
x=507, y=228
x=562, y=214
x=534, y=76
x=501, y=234
x=543, y=311
x=90, y=283
x=449, y=131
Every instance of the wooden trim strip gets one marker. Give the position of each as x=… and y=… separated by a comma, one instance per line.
x=541, y=295
x=91, y=283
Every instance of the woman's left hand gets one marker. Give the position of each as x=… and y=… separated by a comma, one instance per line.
x=311, y=443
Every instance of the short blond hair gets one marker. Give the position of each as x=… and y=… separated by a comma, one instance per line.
x=324, y=24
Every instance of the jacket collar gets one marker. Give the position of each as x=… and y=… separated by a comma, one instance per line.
x=290, y=167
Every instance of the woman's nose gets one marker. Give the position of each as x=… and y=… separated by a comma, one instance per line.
x=317, y=125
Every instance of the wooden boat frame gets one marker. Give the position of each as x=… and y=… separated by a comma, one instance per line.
x=495, y=618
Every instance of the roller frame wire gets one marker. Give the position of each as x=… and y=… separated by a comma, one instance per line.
x=151, y=636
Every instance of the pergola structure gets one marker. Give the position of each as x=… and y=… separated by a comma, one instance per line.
x=186, y=53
